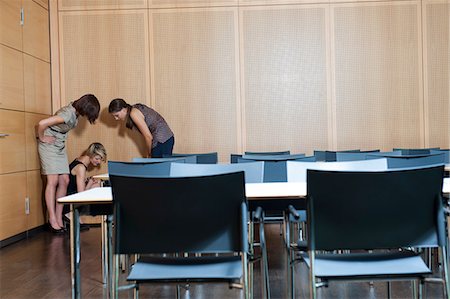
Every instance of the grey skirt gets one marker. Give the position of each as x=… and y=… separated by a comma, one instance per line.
x=53, y=158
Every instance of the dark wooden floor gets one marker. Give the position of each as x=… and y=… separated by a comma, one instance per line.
x=39, y=268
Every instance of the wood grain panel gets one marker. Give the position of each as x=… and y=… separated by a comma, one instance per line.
x=12, y=147
x=37, y=199
x=284, y=81
x=195, y=77
x=436, y=16
x=11, y=79
x=101, y=4
x=122, y=70
x=378, y=84
x=10, y=28
x=43, y=3
x=36, y=31
x=12, y=204
x=37, y=85
x=32, y=155
x=191, y=3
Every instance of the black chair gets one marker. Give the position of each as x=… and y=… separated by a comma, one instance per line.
x=165, y=216
x=234, y=157
x=184, y=159
x=254, y=173
x=268, y=153
x=415, y=151
x=387, y=213
x=341, y=157
x=330, y=156
x=404, y=161
x=203, y=158
x=139, y=169
x=274, y=166
x=446, y=153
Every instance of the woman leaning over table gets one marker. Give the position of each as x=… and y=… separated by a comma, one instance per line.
x=159, y=138
x=52, y=134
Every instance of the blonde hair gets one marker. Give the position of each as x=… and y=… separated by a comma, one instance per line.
x=96, y=149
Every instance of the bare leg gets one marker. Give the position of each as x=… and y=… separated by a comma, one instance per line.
x=61, y=190
x=50, y=192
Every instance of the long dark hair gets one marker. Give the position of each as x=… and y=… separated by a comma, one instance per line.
x=118, y=104
x=87, y=106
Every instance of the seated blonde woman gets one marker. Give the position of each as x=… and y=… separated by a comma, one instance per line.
x=92, y=157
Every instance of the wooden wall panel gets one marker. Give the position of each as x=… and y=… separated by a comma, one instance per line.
x=10, y=28
x=110, y=62
x=101, y=4
x=191, y=3
x=12, y=147
x=11, y=79
x=36, y=31
x=43, y=3
x=377, y=73
x=36, y=197
x=436, y=16
x=37, y=85
x=284, y=69
x=12, y=204
x=195, y=77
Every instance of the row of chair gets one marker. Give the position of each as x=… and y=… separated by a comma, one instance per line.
x=174, y=202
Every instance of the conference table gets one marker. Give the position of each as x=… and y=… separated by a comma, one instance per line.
x=257, y=192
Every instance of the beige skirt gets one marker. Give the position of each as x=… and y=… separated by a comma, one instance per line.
x=53, y=158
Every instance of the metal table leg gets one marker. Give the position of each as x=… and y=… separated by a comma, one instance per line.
x=75, y=252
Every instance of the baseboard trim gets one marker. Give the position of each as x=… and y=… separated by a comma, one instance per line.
x=19, y=237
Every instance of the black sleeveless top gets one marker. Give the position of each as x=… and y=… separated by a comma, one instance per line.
x=72, y=187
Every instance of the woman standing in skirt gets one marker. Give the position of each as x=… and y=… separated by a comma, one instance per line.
x=52, y=134
x=159, y=139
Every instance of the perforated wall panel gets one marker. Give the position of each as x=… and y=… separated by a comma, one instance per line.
x=437, y=65
x=194, y=73
x=378, y=76
x=100, y=4
x=110, y=62
x=285, y=78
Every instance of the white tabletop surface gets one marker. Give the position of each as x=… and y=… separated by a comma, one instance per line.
x=253, y=191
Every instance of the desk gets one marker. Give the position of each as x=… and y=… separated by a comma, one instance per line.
x=254, y=191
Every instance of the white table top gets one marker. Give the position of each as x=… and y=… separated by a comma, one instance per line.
x=253, y=190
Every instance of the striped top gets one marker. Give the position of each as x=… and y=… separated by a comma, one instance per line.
x=157, y=125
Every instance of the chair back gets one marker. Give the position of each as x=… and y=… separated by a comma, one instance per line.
x=161, y=169
x=274, y=166
x=190, y=159
x=415, y=151
x=254, y=171
x=405, y=161
x=203, y=158
x=170, y=215
x=375, y=210
x=354, y=156
x=268, y=153
x=296, y=170
x=330, y=156
x=446, y=153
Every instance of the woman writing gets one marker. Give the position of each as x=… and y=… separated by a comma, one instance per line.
x=158, y=136
x=93, y=156
x=52, y=134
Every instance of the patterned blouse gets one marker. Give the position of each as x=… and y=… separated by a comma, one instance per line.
x=157, y=125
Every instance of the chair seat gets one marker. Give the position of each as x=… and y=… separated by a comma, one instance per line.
x=361, y=265
x=187, y=269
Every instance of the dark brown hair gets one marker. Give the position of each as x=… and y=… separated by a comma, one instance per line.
x=87, y=106
x=118, y=104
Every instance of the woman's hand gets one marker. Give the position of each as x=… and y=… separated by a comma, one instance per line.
x=47, y=139
x=92, y=183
